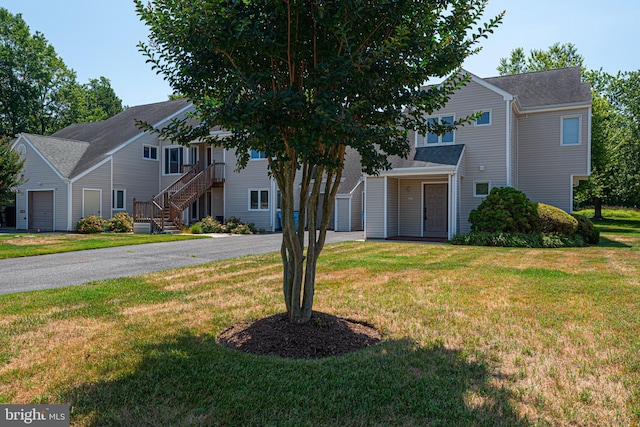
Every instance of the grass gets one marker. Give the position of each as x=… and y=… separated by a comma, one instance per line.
x=27, y=244
x=472, y=336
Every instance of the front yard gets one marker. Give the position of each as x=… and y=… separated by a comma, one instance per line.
x=471, y=336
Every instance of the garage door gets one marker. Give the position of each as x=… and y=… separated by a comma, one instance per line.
x=41, y=210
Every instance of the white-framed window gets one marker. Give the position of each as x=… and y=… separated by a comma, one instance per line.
x=149, y=152
x=447, y=138
x=258, y=155
x=119, y=199
x=570, y=130
x=258, y=199
x=484, y=119
x=481, y=188
x=173, y=160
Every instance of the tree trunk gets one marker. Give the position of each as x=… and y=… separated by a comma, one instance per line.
x=597, y=209
x=299, y=265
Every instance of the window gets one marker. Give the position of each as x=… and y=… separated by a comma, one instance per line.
x=258, y=200
x=481, y=189
x=118, y=199
x=570, y=130
x=255, y=155
x=173, y=160
x=484, y=119
x=447, y=138
x=149, y=152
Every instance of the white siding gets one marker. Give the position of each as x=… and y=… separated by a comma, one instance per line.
x=99, y=178
x=545, y=166
x=392, y=207
x=140, y=177
x=41, y=177
x=374, y=199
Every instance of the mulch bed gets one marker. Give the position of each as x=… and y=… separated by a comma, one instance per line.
x=323, y=336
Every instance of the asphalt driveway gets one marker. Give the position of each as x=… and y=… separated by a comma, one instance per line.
x=74, y=268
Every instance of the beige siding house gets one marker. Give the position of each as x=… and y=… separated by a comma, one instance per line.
x=534, y=134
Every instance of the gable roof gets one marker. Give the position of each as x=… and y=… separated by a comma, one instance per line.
x=78, y=147
x=559, y=87
x=62, y=154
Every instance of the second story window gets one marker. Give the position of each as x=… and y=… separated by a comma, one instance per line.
x=173, y=160
x=433, y=138
x=484, y=119
x=149, y=152
x=570, y=131
x=255, y=155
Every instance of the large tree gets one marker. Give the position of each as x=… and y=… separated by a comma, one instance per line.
x=302, y=80
x=556, y=56
x=11, y=164
x=38, y=92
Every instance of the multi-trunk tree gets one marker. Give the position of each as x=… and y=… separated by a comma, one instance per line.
x=302, y=81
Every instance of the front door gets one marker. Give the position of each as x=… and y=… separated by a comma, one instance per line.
x=91, y=204
x=435, y=210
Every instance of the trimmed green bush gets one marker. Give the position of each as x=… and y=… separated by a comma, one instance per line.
x=507, y=210
x=553, y=220
x=589, y=233
x=517, y=240
x=121, y=222
x=196, y=228
x=91, y=225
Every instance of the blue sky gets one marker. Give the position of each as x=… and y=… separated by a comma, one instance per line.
x=99, y=38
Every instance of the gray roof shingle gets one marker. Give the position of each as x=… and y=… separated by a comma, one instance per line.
x=422, y=157
x=63, y=154
x=104, y=136
x=545, y=88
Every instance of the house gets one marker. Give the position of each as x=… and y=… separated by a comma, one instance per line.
x=533, y=134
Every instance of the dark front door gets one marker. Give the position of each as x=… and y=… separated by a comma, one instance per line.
x=435, y=210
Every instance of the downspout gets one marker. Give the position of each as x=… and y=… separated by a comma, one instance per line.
x=69, y=205
x=508, y=139
x=386, y=207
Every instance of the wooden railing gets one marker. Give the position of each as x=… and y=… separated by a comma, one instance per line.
x=196, y=187
x=169, y=204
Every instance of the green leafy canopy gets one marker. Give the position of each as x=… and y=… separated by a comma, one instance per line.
x=295, y=78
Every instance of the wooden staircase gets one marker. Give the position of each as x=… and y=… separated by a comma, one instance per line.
x=164, y=211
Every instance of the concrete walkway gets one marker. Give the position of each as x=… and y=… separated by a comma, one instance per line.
x=73, y=268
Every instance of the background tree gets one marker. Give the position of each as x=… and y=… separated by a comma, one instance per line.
x=10, y=166
x=38, y=92
x=556, y=56
x=615, y=161
x=303, y=80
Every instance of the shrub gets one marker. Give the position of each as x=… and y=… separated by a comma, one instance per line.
x=505, y=210
x=589, y=233
x=211, y=225
x=235, y=226
x=196, y=228
x=517, y=240
x=121, y=222
x=91, y=224
x=553, y=220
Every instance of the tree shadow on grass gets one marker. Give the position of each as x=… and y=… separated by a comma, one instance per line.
x=192, y=380
x=609, y=243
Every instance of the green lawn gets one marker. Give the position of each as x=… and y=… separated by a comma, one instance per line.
x=27, y=244
x=471, y=336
